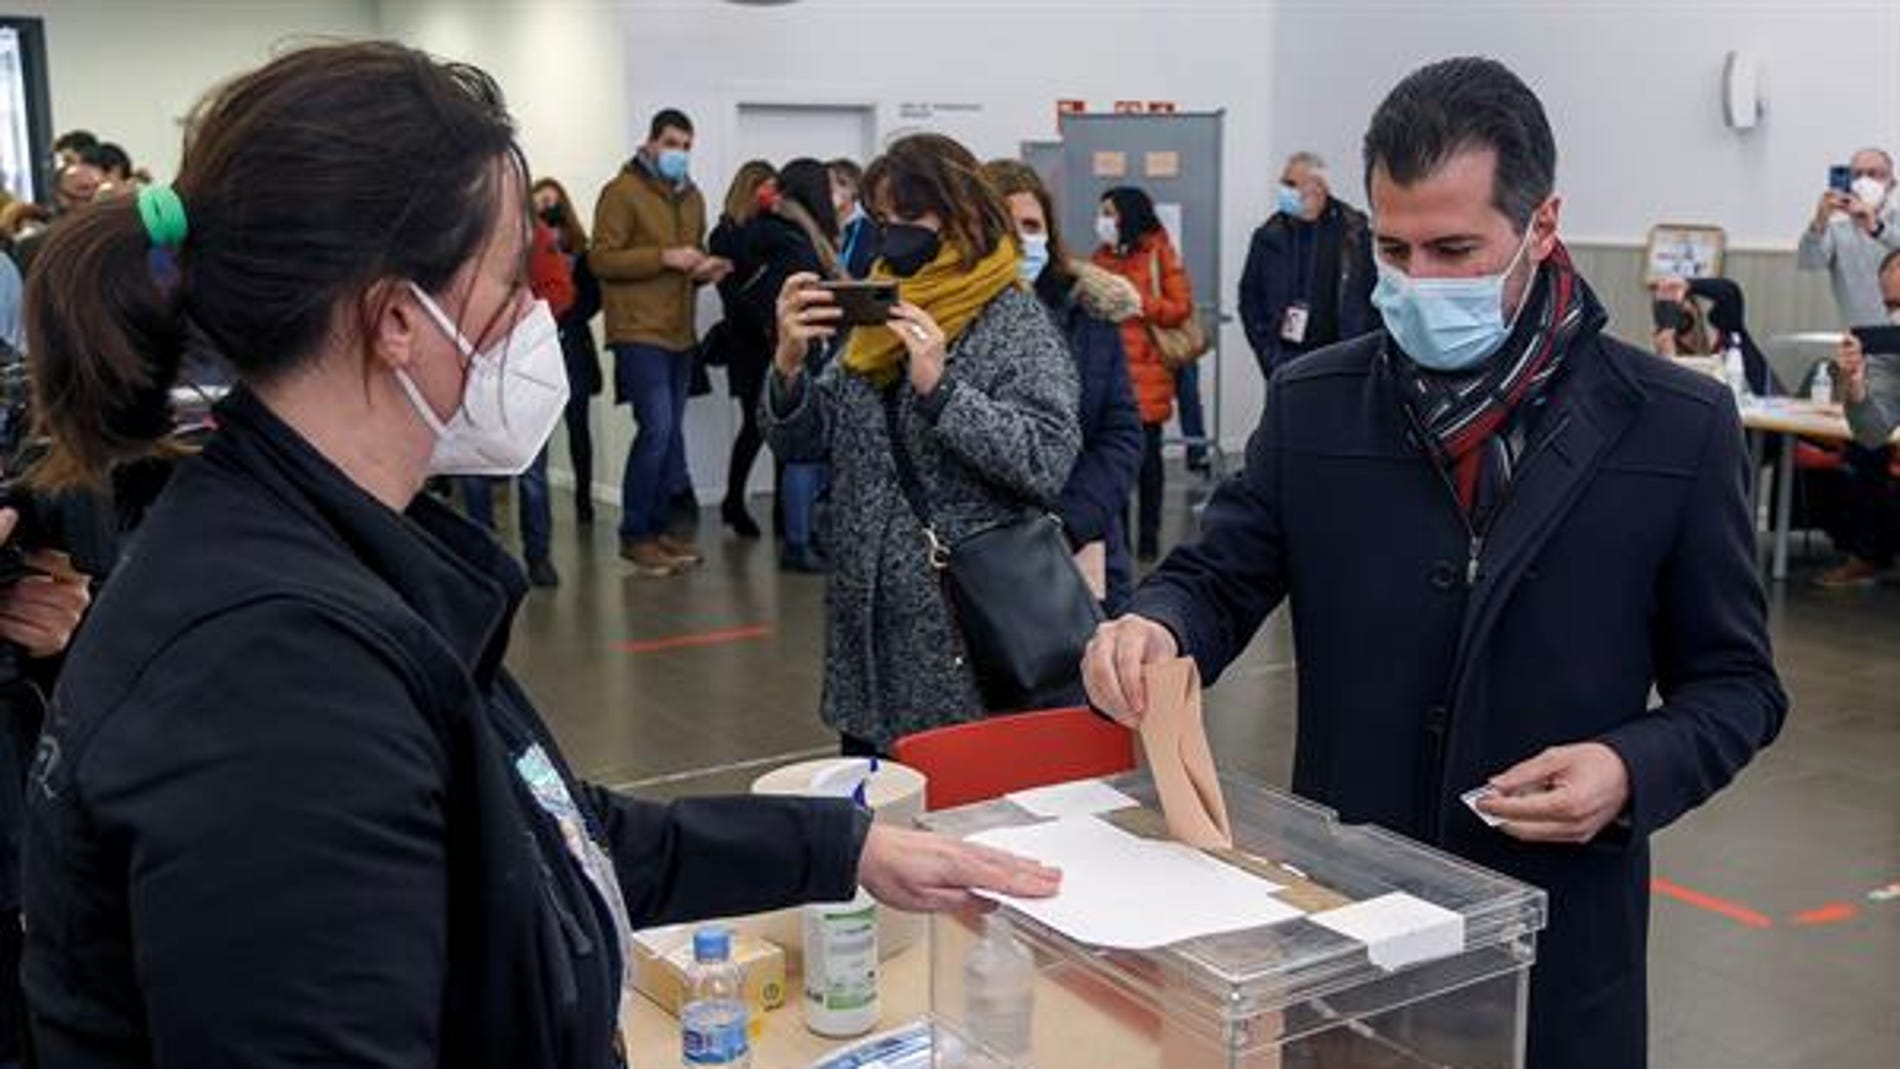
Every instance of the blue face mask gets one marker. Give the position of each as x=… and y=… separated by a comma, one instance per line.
x=673, y=164
x=1035, y=256
x=1447, y=324
x=1289, y=200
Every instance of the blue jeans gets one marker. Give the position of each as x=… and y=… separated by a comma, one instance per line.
x=531, y=490
x=654, y=381
x=1187, y=394
x=803, y=485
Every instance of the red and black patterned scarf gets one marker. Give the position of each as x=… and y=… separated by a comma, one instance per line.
x=1476, y=424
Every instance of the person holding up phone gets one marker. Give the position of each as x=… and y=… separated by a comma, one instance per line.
x=1853, y=229
x=976, y=378
x=1868, y=370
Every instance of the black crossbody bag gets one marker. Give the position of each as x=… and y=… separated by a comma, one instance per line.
x=1013, y=590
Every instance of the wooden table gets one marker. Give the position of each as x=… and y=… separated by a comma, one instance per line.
x=785, y=1042
x=1791, y=419
x=1090, y=1022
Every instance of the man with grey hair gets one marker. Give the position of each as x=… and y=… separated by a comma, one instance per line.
x=1851, y=233
x=1308, y=281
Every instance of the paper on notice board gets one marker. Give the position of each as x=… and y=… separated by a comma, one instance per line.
x=1122, y=891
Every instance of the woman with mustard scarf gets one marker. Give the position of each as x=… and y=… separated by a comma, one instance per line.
x=985, y=396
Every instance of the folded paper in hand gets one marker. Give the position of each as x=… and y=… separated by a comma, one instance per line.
x=1175, y=742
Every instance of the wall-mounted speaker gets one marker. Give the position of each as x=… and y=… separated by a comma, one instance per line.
x=1741, y=90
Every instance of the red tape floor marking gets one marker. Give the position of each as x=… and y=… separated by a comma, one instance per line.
x=1832, y=913
x=1709, y=903
x=687, y=642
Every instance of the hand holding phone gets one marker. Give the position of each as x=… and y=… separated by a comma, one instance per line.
x=1878, y=340
x=865, y=304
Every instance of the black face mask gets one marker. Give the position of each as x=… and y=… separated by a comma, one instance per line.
x=551, y=215
x=909, y=249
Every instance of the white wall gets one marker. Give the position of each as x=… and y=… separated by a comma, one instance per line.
x=559, y=62
x=1632, y=90
x=130, y=71
x=1009, y=61
x=561, y=65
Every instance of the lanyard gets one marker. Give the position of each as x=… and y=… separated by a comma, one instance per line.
x=852, y=232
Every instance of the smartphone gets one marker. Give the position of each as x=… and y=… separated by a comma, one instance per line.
x=1840, y=178
x=865, y=304
x=1667, y=315
x=1884, y=341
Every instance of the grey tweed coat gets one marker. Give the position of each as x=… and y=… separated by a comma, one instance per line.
x=1002, y=442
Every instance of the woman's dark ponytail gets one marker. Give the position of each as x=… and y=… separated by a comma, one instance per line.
x=302, y=185
x=105, y=339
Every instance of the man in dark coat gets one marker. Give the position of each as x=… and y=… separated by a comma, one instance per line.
x=1308, y=280
x=1498, y=529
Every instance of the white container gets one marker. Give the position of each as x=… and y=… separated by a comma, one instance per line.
x=1735, y=370
x=999, y=989
x=841, y=967
x=1821, y=390
x=1292, y=995
x=713, y=1018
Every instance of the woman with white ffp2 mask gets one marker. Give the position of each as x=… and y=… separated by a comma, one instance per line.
x=512, y=396
x=349, y=778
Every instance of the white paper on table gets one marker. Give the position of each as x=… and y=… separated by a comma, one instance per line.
x=1123, y=891
x=1082, y=798
x=1398, y=929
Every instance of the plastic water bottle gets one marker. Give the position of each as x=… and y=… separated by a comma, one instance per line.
x=1736, y=372
x=999, y=989
x=1821, y=390
x=713, y=1020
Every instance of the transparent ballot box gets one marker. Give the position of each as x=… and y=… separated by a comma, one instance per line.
x=1393, y=955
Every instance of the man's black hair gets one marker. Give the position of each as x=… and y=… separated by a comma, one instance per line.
x=668, y=119
x=1458, y=105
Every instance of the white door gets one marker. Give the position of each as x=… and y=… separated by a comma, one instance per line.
x=778, y=134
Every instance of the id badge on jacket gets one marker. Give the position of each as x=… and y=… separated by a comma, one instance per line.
x=1293, y=323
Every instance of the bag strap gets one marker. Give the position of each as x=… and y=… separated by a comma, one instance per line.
x=910, y=482
x=1154, y=272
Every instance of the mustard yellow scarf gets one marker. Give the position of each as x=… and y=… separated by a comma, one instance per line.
x=953, y=295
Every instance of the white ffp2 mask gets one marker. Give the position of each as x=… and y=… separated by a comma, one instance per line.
x=511, y=401
x=1871, y=191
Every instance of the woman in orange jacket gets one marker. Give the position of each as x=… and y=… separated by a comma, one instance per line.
x=1135, y=246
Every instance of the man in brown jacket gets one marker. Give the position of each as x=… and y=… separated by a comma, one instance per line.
x=649, y=254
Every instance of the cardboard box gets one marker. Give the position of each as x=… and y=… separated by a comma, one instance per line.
x=661, y=956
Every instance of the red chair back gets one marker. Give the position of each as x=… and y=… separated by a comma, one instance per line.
x=986, y=759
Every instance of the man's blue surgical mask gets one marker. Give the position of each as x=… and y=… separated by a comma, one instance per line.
x=1288, y=200
x=673, y=164
x=1447, y=324
x=1035, y=256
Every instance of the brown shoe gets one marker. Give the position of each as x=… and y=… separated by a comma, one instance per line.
x=1855, y=573
x=681, y=550
x=649, y=559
